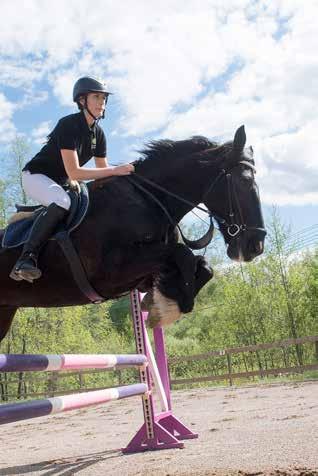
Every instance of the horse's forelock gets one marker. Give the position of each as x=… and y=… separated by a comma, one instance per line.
x=218, y=153
x=223, y=154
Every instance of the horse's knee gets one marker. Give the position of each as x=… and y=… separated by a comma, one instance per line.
x=203, y=273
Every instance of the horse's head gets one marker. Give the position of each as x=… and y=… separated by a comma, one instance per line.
x=234, y=202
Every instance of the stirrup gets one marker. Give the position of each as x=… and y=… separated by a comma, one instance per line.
x=30, y=272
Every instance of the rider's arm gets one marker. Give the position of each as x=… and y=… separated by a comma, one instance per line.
x=76, y=172
x=101, y=162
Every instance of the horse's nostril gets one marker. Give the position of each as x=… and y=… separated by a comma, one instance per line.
x=256, y=247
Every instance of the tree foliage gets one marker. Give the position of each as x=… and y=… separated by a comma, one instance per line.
x=271, y=299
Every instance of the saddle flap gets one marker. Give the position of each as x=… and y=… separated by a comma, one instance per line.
x=17, y=232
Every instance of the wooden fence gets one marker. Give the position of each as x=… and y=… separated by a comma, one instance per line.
x=51, y=380
x=231, y=375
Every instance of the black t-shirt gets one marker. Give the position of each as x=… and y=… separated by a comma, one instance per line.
x=73, y=133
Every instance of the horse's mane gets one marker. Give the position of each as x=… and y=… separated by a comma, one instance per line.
x=158, y=153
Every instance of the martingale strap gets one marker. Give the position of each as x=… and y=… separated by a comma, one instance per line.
x=193, y=244
x=77, y=268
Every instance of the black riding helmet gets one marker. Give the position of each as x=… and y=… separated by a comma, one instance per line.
x=86, y=85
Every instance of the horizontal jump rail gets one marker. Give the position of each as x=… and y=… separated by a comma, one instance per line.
x=159, y=431
x=36, y=408
x=47, y=363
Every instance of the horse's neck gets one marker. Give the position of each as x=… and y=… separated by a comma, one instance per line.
x=189, y=184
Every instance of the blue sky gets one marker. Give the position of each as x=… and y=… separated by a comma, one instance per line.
x=176, y=70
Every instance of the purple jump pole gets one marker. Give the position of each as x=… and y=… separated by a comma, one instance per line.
x=162, y=430
x=47, y=363
x=21, y=411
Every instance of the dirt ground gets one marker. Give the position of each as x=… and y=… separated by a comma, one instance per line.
x=255, y=430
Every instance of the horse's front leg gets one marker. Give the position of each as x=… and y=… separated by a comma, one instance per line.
x=180, y=279
x=6, y=317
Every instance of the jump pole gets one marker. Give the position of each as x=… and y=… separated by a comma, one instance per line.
x=12, y=412
x=49, y=363
x=161, y=430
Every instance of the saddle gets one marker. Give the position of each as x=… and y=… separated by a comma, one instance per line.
x=17, y=232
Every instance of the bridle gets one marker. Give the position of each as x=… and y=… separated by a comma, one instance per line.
x=233, y=227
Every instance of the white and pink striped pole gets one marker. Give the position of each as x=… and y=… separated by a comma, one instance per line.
x=49, y=363
x=12, y=412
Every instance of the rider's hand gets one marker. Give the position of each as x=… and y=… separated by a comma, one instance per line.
x=125, y=169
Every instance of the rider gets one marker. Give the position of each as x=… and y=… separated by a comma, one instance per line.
x=72, y=143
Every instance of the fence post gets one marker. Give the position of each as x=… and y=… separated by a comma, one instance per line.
x=284, y=355
x=21, y=386
x=2, y=389
x=119, y=376
x=81, y=379
x=51, y=385
x=229, y=366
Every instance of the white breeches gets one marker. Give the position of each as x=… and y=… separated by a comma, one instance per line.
x=44, y=190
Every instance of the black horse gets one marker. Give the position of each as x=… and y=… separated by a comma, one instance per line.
x=128, y=238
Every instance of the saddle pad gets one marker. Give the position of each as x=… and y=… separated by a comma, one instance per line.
x=17, y=233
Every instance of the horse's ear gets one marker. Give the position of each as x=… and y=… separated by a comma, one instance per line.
x=239, y=138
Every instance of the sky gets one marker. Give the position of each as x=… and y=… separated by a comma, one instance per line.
x=177, y=68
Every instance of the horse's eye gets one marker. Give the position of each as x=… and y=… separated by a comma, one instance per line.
x=246, y=175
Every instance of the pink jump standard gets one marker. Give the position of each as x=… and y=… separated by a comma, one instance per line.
x=160, y=430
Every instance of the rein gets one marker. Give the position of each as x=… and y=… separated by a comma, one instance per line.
x=193, y=244
x=233, y=228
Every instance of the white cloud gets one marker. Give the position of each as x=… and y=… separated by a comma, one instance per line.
x=182, y=68
x=288, y=167
x=7, y=128
x=39, y=134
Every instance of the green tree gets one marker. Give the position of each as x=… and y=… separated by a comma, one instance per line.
x=18, y=156
x=3, y=203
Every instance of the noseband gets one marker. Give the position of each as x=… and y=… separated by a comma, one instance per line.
x=233, y=227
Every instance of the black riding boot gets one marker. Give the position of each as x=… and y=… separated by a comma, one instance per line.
x=42, y=229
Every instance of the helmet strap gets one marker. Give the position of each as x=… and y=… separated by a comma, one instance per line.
x=96, y=119
x=89, y=112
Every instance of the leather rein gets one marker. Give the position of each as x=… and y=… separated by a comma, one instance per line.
x=233, y=227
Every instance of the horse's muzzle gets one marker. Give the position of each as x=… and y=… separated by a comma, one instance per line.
x=247, y=246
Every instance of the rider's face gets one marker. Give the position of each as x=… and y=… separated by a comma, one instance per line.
x=96, y=103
